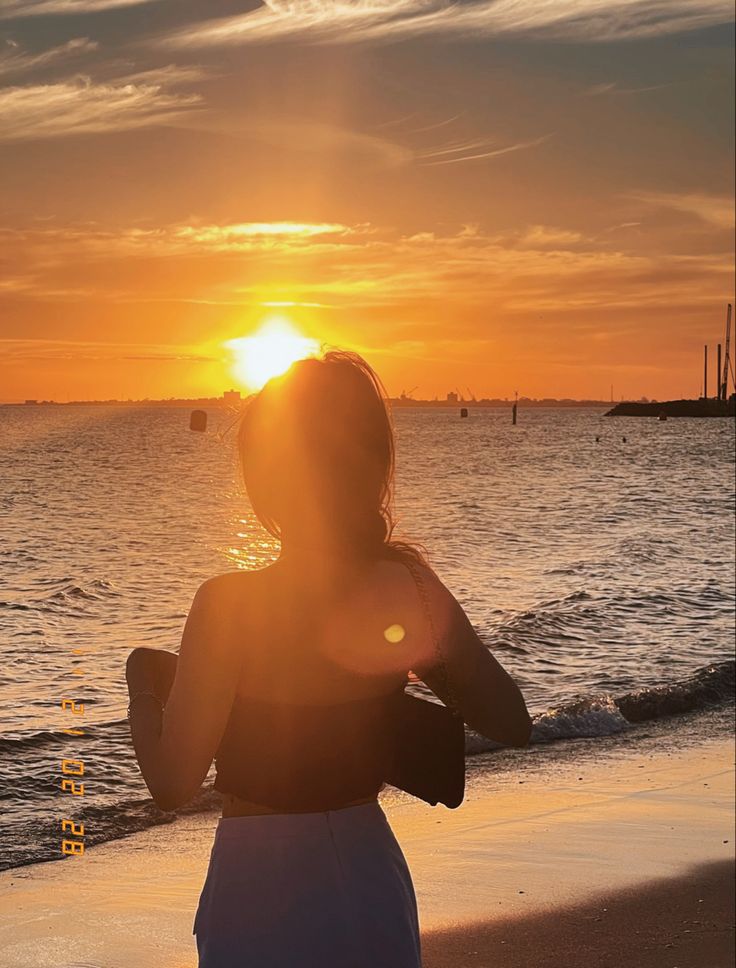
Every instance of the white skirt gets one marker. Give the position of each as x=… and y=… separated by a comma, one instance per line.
x=309, y=890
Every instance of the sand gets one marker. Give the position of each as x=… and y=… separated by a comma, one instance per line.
x=681, y=922
x=624, y=857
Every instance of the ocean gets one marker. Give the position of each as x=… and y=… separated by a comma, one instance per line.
x=594, y=555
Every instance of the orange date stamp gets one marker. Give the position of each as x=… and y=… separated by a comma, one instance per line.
x=72, y=782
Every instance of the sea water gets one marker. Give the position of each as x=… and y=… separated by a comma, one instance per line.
x=594, y=555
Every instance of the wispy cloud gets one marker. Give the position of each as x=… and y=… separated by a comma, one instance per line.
x=15, y=60
x=26, y=350
x=472, y=151
x=12, y=9
x=716, y=210
x=52, y=244
x=545, y=236
x=611, y=87
x=249, y=234
x=338, y=21
x=81, y=106
x=317, y=136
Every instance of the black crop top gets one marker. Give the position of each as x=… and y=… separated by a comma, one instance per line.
x=300, y=758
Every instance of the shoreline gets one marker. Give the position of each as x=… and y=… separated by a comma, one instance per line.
x=525, y=846
x=674, y=731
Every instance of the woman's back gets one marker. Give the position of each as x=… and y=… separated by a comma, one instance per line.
x=312, y=633
x=307, y=642
x=311, y=726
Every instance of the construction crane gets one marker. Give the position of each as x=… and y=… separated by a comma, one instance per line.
x=724, y=380
x=407, y=396
x=472, y=395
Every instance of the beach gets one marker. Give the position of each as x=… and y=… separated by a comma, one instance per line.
x=613, y=856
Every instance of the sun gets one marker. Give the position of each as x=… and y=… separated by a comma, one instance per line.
x=269, y=352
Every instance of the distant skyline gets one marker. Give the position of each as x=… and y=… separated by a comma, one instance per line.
x=446, y=400
x=484, y=195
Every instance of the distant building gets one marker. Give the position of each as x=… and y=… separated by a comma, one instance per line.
x=31, y=403
x=232, y=396
x=451, y=397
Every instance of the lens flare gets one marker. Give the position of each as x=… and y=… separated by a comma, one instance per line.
x=394, y=634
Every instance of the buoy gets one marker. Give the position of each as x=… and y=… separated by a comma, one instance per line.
x=198, y=421
x=463, y=411
x=624, y=439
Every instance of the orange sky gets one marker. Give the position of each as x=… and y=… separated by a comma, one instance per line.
x=489, y=196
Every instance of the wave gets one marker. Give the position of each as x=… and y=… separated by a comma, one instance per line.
x=49, y=738
x=126, y=811
x=64, y=595
x=606, y=715
x=603, y=715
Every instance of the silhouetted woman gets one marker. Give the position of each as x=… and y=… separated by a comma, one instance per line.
x=284, y=676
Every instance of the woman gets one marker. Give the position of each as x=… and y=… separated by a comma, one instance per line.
x=284, y=677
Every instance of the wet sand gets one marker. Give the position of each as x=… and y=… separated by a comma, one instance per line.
x=518, y=876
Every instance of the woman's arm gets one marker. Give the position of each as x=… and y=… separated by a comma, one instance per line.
x=487, y=697
x=175, y=748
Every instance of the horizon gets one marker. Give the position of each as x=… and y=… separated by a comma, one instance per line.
x=405, y=400
x=485, y=196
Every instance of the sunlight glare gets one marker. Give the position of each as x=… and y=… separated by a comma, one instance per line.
x=269, y=352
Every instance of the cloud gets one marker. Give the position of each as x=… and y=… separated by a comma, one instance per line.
x=26, y=350
x=54, y=245
x=315, y=136
x=312, y=136
x=15, y=60
x=16, y=9
x=340, y=21
x=247, y=235
x=468, y=152
x=169, y=74
x=716, y=210
x=611, y=87
x=544, y=236
x=83, y=107
x=538, y=268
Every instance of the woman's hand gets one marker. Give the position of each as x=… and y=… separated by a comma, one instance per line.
x=151, y=670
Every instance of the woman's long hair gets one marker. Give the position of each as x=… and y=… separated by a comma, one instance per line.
x=317, y=455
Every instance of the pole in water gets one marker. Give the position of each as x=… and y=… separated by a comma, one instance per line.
x=705, y=374
x=514, y=409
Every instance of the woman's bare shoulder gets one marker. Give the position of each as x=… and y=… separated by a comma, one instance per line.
x=236, y=586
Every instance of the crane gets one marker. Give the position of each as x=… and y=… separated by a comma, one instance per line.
x=407, y=396
x=724, y=380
